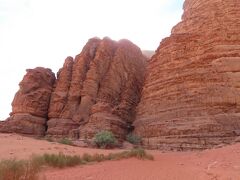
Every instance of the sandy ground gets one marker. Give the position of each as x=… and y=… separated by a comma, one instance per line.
x=216, y=164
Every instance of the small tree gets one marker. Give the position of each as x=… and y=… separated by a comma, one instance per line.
x=105, y=139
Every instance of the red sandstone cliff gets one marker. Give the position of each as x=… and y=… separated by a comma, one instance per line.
x=98, y=90
x=191, y=96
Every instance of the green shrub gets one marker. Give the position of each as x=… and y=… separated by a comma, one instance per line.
x=134, y=139
x=66, y=141
x=105, y=139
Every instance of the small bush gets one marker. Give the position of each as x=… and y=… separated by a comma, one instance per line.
x=105, y=139
x=134, y=139
x=66, y=141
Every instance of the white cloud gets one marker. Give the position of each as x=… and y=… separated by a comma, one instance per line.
x=43, y=32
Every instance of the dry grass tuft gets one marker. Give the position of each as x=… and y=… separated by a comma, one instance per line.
x=20, y=169
x=29, y=169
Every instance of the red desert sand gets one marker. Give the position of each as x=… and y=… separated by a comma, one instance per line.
x=216, y=164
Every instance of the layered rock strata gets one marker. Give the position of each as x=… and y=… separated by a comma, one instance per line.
x=30, y=105
x=98, y=90
x=191, y=96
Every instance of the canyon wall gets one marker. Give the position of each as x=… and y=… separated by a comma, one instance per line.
x=191, y=96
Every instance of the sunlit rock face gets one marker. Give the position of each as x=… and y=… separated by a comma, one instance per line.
x=30, y=104
x=191, y=96
x=98, y=90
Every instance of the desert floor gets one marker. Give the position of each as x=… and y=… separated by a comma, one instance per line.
x=216, y=164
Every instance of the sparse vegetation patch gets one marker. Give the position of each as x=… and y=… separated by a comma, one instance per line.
x=29, y=169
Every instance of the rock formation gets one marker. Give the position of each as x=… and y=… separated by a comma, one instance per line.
x=99, y=90
x=30, y=104
x=190, y=99
x=191, y=96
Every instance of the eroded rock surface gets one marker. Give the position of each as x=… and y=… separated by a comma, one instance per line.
x=98, y=90
x=191, y=96
x=30, y=105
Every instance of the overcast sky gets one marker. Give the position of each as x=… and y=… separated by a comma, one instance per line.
x=44, y=32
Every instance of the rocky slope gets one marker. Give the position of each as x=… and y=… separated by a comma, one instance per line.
x=191, y=96
x=98, y=90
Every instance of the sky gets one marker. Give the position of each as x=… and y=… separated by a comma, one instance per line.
x=44, y=32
